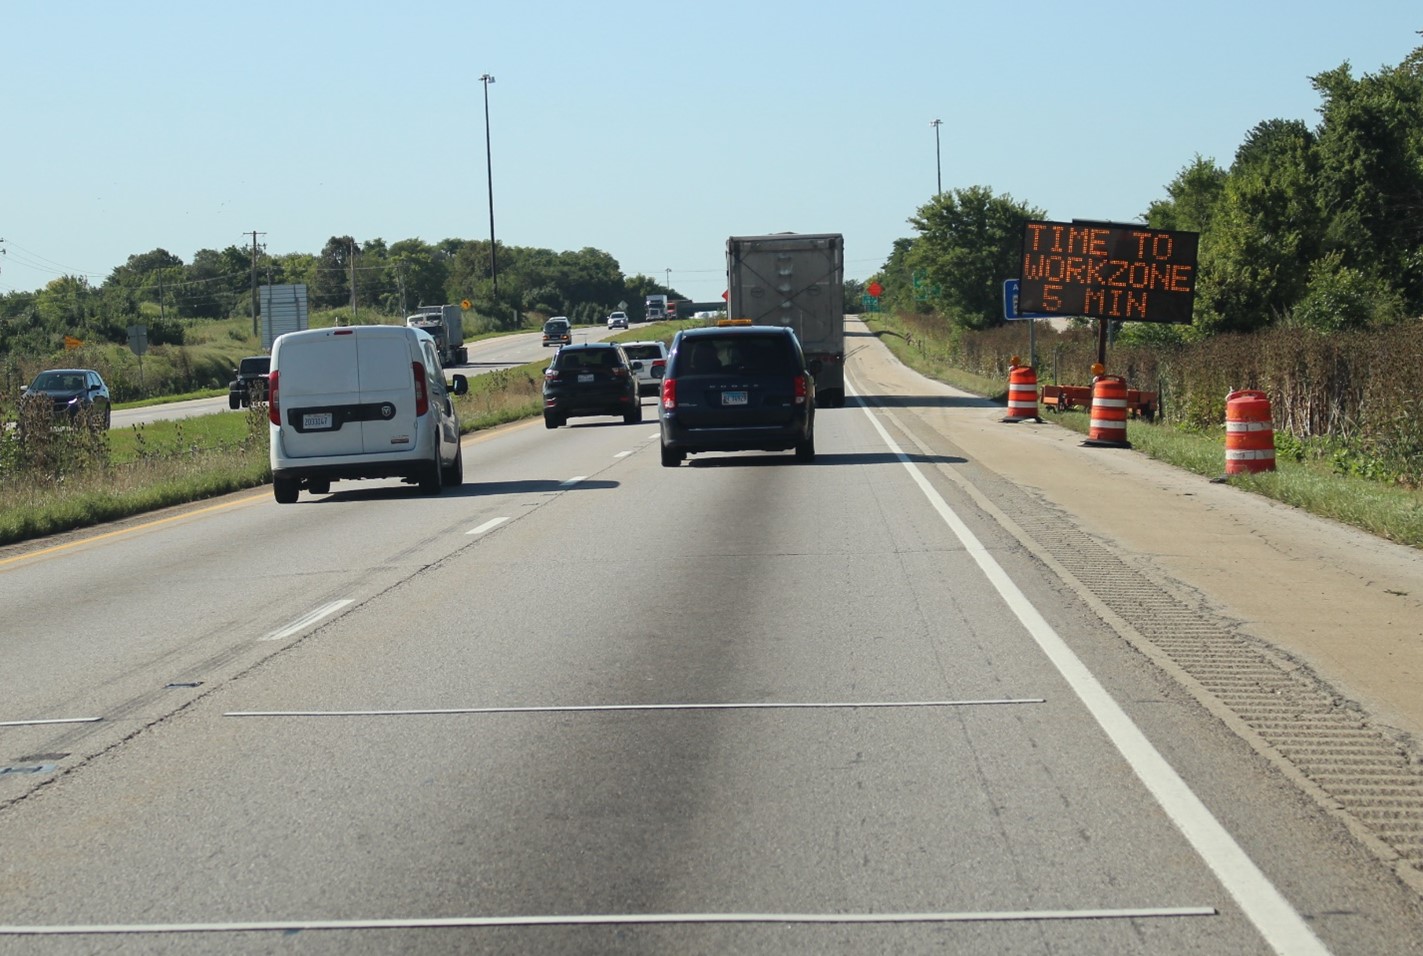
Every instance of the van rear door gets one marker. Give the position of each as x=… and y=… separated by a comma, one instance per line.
x=347, y=391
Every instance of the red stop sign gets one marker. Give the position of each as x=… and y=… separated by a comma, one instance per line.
x=875, y=289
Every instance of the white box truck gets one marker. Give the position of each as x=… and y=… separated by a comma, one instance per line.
x=444, y=324
x=795, y=280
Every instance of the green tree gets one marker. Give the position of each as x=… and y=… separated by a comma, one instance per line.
x=1264, y=232
x=1370, y=184
x=969, y=242
x=1192, y=198
x=330, y=283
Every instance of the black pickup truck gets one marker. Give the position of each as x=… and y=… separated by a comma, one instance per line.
x=249, y=381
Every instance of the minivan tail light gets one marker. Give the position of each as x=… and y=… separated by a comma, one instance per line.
x=274, y=414
x=422, y=395
x=800, y=389
x=669, y=393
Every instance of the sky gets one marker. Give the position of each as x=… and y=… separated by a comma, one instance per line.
x=649, y=130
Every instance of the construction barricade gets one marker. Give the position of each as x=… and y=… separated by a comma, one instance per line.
x=1022, y=394
x=1108, y=425
x=1249, y=433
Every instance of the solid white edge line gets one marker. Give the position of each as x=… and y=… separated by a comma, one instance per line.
x=575, y=708
x=56, y=720
x=489, y=525
x=1283, y=929
x=306, y=620
x=288, y=926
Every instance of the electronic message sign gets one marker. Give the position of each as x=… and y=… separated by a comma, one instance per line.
x=1108, y=271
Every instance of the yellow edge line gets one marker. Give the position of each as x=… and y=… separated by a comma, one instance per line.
x=136, y=528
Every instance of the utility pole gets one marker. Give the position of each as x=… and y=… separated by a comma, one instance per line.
x=352, y=257
x=255, y=234
x=938, y=168
x=486, y=79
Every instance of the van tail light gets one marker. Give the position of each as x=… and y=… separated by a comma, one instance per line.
x=274, y=413
x=422, y=395
x=669, y=393
x=799, y=387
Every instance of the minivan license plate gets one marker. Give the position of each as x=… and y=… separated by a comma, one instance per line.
x=315, y=421
x=733, y=398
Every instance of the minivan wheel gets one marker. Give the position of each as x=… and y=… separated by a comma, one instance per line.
x=454, y=475
x=431, y=477
x=286, y=490
x=671, y=457
x=805, y=450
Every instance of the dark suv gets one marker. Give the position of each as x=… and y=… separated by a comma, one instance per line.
x=737, y=388
x=249, y=381
x=591, y=378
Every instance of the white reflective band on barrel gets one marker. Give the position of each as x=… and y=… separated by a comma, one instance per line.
x=1109, y=402
x=1258, y=454
x=1248, y=427
x=1109, y=424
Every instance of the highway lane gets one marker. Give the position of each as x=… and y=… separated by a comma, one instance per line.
x=880, y=726
x=486, y=355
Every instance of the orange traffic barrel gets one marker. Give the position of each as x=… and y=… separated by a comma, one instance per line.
x=1022, y=395
x=1108, y=426
x=1249, y=433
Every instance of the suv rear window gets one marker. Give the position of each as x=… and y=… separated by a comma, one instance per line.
x=587, y=358
x=254, y=366
x=744, y=353
x=641, y=352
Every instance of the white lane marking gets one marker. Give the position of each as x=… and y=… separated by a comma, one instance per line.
x=610, y=919
x=576, y=708
x=572, y=481
x=54, y=720
x=489, y=525
x=306, y=620
x=1272, y=915
x=622, y=454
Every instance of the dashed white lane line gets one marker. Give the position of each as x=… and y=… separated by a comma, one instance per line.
x=306, y=620
x=52, y=720
x=613, y=919
x=489, y=525
x=622, y=454
x=584, y=708
x=1283, y=929
x=572, y=481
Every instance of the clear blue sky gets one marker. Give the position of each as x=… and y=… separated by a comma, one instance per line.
x=649, y=130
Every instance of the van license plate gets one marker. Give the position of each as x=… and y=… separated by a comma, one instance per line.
x=733, y=398
x=315, y=421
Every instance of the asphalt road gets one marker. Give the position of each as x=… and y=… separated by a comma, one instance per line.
x=587, y=704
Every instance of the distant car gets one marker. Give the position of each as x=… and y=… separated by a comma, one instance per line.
x=737, y=388
x=249, y=381
x=72, y=394
x=618, y=320
x=591, y=378
x=558, y=331
x=653, y=356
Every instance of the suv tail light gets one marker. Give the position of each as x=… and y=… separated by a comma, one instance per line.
x=274, y=414
x=422, y=394
x=800, y=389
x=669, y=393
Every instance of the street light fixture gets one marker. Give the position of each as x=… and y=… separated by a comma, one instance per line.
x=486, y=79
x=938, y=169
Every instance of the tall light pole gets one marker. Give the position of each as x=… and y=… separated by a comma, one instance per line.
x=486, y=79
x=938, y=169
x=669, y=280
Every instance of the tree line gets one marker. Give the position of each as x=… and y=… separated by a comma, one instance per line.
x=162, y=292
x=1316, y=227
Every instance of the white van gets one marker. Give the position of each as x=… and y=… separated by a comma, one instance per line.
x=366, y=401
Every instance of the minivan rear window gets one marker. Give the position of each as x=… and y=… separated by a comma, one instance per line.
x=745, y=353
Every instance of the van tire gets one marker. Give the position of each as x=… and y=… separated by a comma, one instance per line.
x=671, y=458
x=286, y=490
x=454, y=475
x=431, y=478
